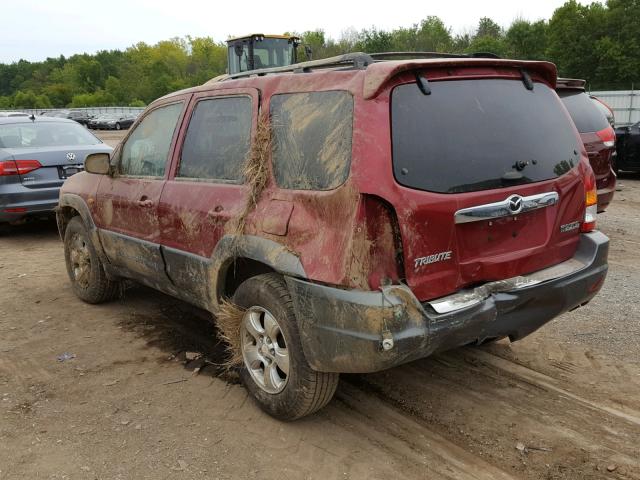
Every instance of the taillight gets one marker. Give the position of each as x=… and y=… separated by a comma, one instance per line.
x=591, y=203
x=608, y=136
x=18, y=167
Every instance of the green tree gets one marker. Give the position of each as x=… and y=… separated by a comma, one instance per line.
x=373, y=41
x=573, y=32
x=99, y=98
x=30, y=100
x=527, y=40
x=488, y=28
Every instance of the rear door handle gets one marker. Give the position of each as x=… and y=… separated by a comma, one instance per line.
x=144, y=202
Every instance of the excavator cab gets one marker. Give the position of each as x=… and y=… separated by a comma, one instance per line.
x=258, y=51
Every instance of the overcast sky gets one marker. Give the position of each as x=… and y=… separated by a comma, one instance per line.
x=37, y=29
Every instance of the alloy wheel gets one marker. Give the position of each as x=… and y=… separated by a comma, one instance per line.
x=80, y=260
x=264, y=350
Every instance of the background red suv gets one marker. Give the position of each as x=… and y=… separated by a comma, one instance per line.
x=347, y=215
x=597, y=134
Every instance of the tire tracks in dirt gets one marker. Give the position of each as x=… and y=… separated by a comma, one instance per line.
x=489, y=405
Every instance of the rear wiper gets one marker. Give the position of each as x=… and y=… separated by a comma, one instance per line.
x=423, y=84
x=526, y=79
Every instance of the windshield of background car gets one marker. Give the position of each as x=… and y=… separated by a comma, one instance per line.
x=471, y=135
x=272, y=52
x=587, y=117
x=45, y=134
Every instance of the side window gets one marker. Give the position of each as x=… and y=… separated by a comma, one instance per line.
x=312, y=139
x=146, y=151
x=217, y=140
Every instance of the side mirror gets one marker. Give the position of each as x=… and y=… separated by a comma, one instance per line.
x=97, y=163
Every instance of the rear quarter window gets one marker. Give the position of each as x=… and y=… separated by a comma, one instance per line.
x=585, y=114
x=312, y=139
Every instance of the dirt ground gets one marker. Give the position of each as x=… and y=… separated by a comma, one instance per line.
x=564, y=403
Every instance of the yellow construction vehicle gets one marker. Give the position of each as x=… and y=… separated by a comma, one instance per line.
x=257, y=51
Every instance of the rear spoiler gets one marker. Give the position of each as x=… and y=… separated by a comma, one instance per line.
x=378, y=74
x=571, y=83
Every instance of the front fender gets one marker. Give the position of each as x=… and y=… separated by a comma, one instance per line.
x=77, y=203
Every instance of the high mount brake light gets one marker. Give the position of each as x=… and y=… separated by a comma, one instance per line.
x=18, y=167
x=608, y=136
x=591, y=203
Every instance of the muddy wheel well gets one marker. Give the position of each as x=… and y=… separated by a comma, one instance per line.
x=239, y=270
x=64, y=216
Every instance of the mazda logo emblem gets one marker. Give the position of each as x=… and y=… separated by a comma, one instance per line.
x=71, y=156
x=515, y=203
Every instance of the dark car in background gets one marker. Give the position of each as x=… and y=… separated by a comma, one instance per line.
x=112, y=121
x=56, y=113
x=628, y=148
x=37, y=154
x=80, y=116
x=597, y=135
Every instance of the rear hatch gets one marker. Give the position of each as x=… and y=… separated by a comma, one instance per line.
x=59, y=148
x=492, y=179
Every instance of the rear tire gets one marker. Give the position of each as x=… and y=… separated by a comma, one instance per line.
x=275, y=370
x=88, y=278
x=118, y=127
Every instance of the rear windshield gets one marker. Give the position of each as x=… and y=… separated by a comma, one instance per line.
x=470, y=135
x=587, y=116
x=45, y=134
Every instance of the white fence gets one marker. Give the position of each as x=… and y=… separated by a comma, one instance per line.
x=90, y=110
x=624, y=103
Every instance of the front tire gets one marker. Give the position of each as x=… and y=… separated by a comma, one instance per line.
x=88, y=278
x=275, y=370
x=118, y=126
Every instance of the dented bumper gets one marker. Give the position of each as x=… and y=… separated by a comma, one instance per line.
x=365, y=331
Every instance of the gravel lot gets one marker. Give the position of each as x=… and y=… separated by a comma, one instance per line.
x=564, y=403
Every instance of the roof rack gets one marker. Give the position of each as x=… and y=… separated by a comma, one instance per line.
x=402, y=55
x=355, y=60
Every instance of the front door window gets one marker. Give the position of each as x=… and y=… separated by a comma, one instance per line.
x=147, y=148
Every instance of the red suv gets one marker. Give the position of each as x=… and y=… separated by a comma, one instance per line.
x=597, y=134
x=348, y=214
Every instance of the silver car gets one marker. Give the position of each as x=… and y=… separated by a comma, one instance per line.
x=37, y=154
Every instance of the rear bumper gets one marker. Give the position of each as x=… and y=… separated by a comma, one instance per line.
x=606, y=188
x=347, y=330
x=22, y=202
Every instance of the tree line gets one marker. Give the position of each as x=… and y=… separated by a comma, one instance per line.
x=597, y=42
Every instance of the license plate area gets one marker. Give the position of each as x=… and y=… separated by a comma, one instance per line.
x=505, y=235
x=69, y=170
